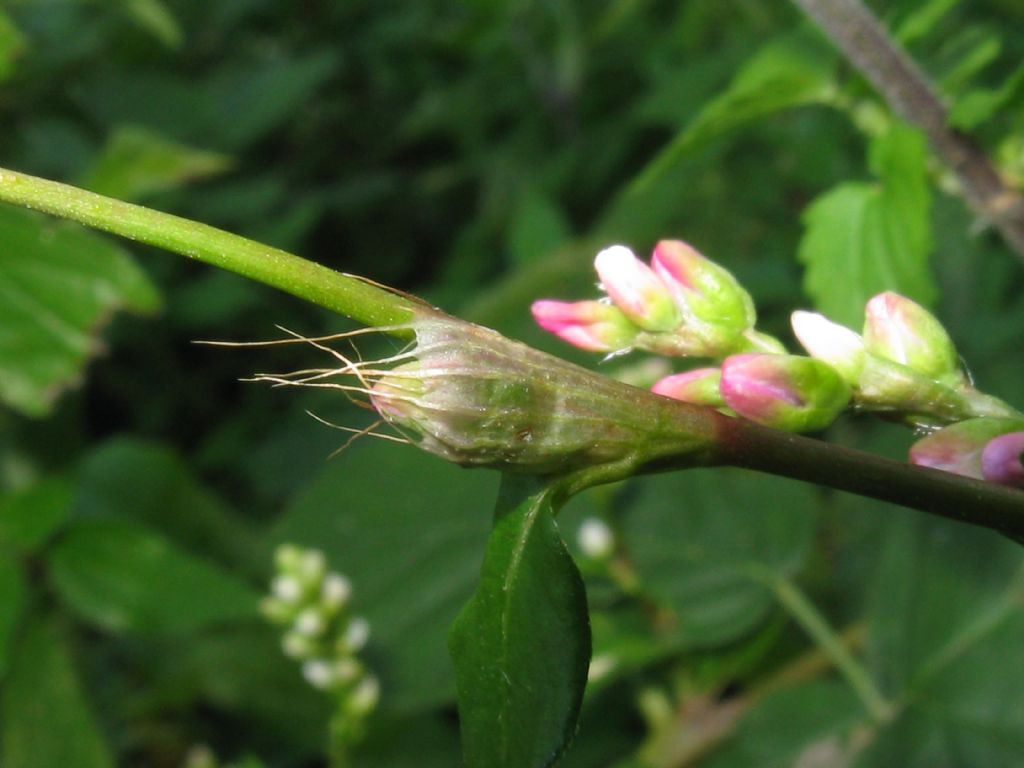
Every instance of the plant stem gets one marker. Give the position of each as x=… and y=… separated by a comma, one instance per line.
x=853, y=29
x=744, y=444
x=354, y=297
x=698, y=436
x=831, y=645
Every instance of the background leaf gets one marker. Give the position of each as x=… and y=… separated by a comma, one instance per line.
x=47, y=720
x=136, y=162
x=862, y=239
x=945, y=617
x=693, y=537
x=30, y=516
x=412, y=554
x=12, y=599
x=124, y=578
x=58, y=283
x=521, y=646
x=11, y=45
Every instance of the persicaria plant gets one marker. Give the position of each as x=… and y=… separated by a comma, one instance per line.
x=673, y=557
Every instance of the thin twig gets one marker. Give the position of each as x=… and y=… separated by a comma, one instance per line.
x=853, y=29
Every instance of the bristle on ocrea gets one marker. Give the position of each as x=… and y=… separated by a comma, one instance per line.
x=365, y=372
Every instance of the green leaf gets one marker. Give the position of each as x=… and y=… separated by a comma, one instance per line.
x=521, y=646
x=538, y=227
x=922, y=20
x=136, y=162
x=412, y=554
x=12, y=603
x=147, y=482
x=29, y=517
x=45, y=717
x=945, y=631
x=155, y=17
x=240, y=669
x=12, y=45
x=58, y=284
x=258, y=93
x=791, y=71
x=695, y=536
x=809, y=724
x=124, y=578
x=861, y=239
x=980, y=105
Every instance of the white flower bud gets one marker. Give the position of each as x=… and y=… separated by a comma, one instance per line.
x=600, y=666
x=286, y=588
x=312, y=565
x=335, y=591
x=296, y=646
x=310, y=623
x=595, y=538
x=365, y=697
x=319, y=673
x=830, y=342
x=356, y=634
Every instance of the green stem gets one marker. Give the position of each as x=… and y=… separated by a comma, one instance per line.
x=354, y=297
x=741, y=443
x=831, y=645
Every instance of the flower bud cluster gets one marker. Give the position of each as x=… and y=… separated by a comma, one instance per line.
x=681, y=304
x=321, y=632
x=987, y=449
x=903, y=363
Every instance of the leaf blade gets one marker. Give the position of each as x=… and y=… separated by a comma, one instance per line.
x=521, y=646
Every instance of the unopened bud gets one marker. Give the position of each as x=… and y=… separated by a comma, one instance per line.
x=595, y=538
x=297, y=646
x=357, y=633
x=636, y=289
x=830, y=342
x=312, y=566
x=591, y=325
x=796, y=394
x=287, y=558
x=958, y=448
x=335, y=591
x=319, y=673
x=699, y=386
x=365, y=696
x=903, y=331
x=1001, y=460
x=310, y=623
x=286, y=588
x=346, y=670
x=705, y=290
x=277, y=610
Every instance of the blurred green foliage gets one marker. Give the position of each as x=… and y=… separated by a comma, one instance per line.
x=475, y=153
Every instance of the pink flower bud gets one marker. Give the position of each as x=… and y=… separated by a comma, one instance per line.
x=1001, y=460
x=699, y=386
x=590, y=325
x=636, y=290
x=903, y=331
x=830, y=342
x=959, y=447
x=797, y=394
x=704, y=289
